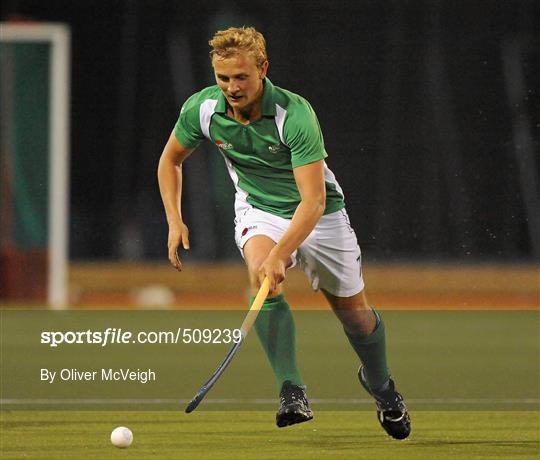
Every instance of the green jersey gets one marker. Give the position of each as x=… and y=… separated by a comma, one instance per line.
x=260, y=156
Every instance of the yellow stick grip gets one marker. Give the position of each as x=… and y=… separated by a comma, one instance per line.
x=255, y=307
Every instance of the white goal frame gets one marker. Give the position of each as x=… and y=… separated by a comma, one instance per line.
x=59, y=38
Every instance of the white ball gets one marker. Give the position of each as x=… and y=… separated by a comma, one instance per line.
x=121, y=437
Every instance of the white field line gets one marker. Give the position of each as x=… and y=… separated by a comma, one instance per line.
x=261, y=401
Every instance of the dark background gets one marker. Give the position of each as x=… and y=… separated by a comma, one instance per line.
x=430, y=112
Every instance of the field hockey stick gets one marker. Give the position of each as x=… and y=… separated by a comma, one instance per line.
x=244, y=329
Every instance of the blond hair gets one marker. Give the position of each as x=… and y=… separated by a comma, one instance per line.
x=227, y=43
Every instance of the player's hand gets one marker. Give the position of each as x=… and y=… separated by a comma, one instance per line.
x=274, y=268
x=178, y=234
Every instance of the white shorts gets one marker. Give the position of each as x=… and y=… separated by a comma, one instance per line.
x=330, y=255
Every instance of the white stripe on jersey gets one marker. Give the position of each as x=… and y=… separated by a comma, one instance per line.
x=281, y=113
x=240, y=201
x=330, y=178
x=206, y=110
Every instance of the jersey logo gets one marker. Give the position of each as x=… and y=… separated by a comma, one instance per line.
x=224, y=145
x=274, y=148
x=247, y=229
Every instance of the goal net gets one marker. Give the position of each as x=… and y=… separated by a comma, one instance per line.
x=34, y=144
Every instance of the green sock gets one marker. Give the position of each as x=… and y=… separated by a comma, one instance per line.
x=275, y=328
x=371, y=349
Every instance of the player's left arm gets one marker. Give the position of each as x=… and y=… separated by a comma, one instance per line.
x=310, y=182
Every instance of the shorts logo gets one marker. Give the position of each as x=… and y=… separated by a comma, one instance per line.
x=224, y=145
x=274, y=148
x=247, y=229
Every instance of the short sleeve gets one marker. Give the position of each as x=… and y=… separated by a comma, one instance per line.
x=188, y=127
x=303, y=135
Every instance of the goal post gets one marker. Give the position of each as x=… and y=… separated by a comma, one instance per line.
x=21, y=42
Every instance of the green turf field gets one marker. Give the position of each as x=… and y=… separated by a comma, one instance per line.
x=442, y=360
x=453, y=435
x=470, y=379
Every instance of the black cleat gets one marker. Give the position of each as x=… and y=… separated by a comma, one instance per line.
x=391, y=410
x=293, y=405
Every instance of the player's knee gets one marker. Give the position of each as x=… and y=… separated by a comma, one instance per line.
x=253, y=271
x=254, y=280
x=358, y=321
x=361, y=325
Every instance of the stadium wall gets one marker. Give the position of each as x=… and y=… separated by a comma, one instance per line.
x=392, y=286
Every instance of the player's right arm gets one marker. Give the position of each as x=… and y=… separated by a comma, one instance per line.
x=170, y=187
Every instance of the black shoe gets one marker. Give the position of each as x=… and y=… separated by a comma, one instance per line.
x=293, y=405
x=391, y=410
